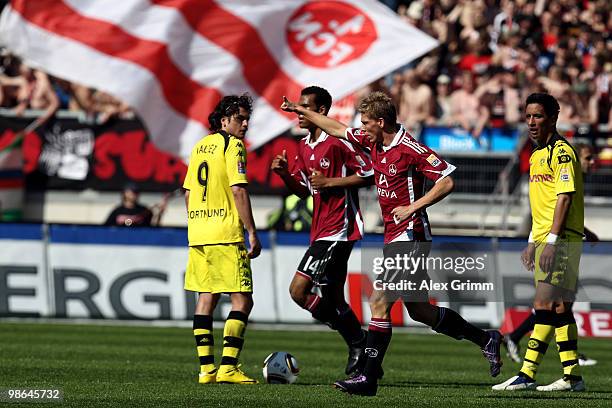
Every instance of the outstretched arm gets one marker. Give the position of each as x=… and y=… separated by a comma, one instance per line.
x=330, y=126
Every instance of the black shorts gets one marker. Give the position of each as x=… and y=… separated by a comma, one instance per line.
x=405, y=280
x=326, y=262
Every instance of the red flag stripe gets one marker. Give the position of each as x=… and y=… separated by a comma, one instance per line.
x=182, y=93
x=241, y=39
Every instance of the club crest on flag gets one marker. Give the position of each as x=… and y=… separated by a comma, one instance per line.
x=330, y=33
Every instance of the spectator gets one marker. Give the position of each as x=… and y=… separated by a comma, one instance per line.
x=465, y=106
x=395, y=91
x=108, y=107
x=415, y=102
x=130, y=213
x=504, y=23
x=442, y=114
x=500, y=100
x=507, y=54
x=478, y=59
x=25, y=88
x=555, y=83
x=35, y=92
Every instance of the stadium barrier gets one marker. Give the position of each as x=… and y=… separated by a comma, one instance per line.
x=94, y=272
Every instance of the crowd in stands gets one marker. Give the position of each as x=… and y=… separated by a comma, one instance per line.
x=23, y=87
x=492, y=54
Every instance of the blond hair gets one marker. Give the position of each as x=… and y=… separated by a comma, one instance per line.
x=379, y=105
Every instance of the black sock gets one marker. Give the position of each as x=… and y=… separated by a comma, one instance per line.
x=379, y=337
x=525, y=327
x=322, y=310
x=349, y=327
x=453, y=325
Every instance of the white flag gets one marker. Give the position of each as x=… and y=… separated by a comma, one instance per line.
x=172, y=60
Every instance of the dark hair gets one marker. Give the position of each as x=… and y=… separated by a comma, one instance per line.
x=379, y=105
x=227, y=107
x=548, y=102
x=131, y=186
x=322, y=97
x=579, y=146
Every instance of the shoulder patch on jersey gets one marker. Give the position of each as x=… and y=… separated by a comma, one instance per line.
x=360, y=160
x=241, y=167
x=433, y=160
x=564, y=158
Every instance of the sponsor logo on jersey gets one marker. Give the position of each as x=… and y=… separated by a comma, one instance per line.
x=384, y=160
x=324, y=162
x=214, y=212
x=565, y=177
x=385, y=193
x=538, y=178
x=433, y=160
x=392, y=169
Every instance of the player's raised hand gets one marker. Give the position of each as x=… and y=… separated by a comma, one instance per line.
x=528, y=257
x=280, y=165
x=317, y=180
x=402, y=213
x=288, y=106
x=254, y=246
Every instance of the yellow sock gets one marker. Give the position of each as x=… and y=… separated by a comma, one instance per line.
x=233, y=337
x=205, y=343
x=538, y=343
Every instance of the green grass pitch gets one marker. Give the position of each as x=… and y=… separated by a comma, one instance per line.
x=121, y=366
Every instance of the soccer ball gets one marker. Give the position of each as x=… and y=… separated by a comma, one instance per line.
x=280, y=368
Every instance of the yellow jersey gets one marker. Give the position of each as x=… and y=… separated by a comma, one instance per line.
x=555, y=169
x=217, y=163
